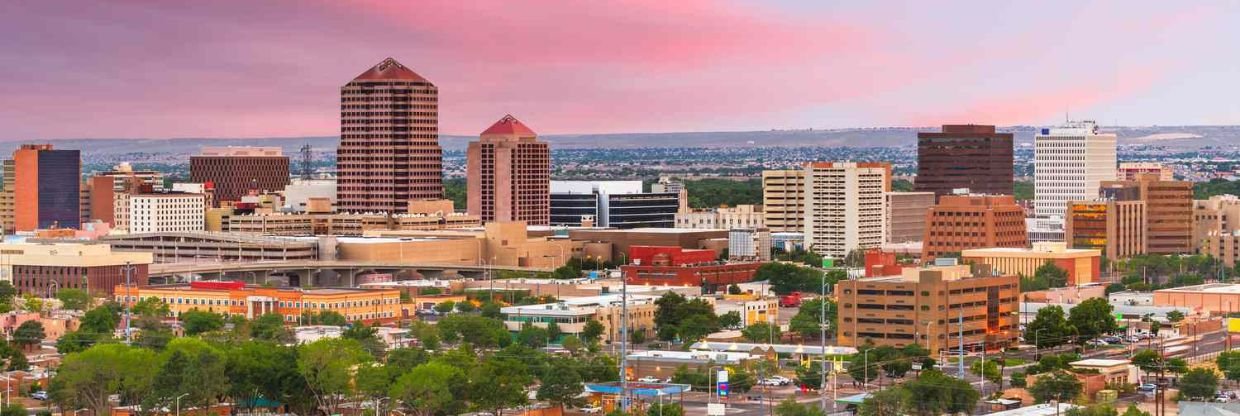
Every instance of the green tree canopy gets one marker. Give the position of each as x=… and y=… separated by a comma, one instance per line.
x=1092, y=319
x=1058, y=386
x=196, y=322
x=29, y=334
x=72, y=298
x=1199, y=384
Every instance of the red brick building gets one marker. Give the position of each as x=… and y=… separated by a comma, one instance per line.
x=676, y=266
x=881, y=263
x=234, y=171
x=963, y=222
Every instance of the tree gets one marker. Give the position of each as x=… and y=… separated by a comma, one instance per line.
x=885, y=402
x=1058, y=386
x=809, y=317
x=427, y=389
x=734, y=289
x=553, y=331
x=811, y=375
x=1134, y=411
x=560, y=384
x=329, y=318
x=761, y=332
x=665, y=409
x=13, y=410
x=445, y=306
x=592, y=332
x=698, y=326
x=101, y=320
x=1199, y=384
x=1175, y=316
x=326, y=365
x=790, y=407
x=75, y=299
x=492, y=310
x=466, y=307
x=1093, y=410
x=786, y=278
x=367, y=337
x=990, y=370
x=864, y=367
x=1229, y=363
x=196, y=322
x=87, y=379
x=499, y=383
x=532, y=336
x=150, y=306
x=29, y=334
x=1049, y=328
x=572, y=343
x=732, y=319
x=474, y=329
x=189, y=367
x=933, y=392
x=264, y=369
x=689, y=319
x=7, y=292
x=270, y=327
x=1053, y=275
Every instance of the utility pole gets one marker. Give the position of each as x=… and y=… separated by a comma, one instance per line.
x=128, y=269
x=822, y=342
x=624, y=343
x=960, y=354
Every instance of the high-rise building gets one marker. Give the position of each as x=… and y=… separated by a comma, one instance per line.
x=1069, y=163
x=389, y=140
x=844, y=206
x=235, y=171
x=783, y=200
x=124, y=175
x=1128, y=171
x=165, y=212
x=45, y=189
x=906, y=215
x=968, y=156
x=615, y=204
x=935, y=307
x=508, y=174
x=1168, y=212
x=962, y=222
x=1115, y=225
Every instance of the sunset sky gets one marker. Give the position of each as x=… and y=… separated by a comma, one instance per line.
x=156, y=69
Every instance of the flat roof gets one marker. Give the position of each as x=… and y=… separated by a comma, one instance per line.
x=779, y=348
x=1099, y=362
x=1045, y=409
x=1223, y=288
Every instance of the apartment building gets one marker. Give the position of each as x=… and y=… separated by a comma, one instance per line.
x=783, y=200
x=932, y=307
x=962, y=222
x=844, y=206
x=906, y=215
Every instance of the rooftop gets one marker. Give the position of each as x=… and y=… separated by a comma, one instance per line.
x=509, y=125
x=1045, y=409
x=1099, y=362
x=389, y=70
x=1221, y=288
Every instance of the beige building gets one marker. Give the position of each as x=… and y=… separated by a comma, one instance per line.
x=498, y=243
x=1168, y=212
x=1215, y=298
x=1114, y=226
x=43, y=268
x=343, y=224
x=163, y=212
x=906, y=215
x=1225, y=247
x=844, y=206
x=1130, y=171
x=740, y=216
x=1219, y=215
x=1081, y=264
x=571, y=315
x=783, y=200
x=925, y=306
x=508, y=174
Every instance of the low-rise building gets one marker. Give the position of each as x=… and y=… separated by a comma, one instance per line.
x=1082, y=265
x=40, y=269
x=612, y=244
x=238, y=299
x=931, y=307
x=740, y=216
x=1117, y=372
x=675, y=266
x=751, y=311
x=753, y=244
x=571, y=315
x=663, y=364
x=1215, y=298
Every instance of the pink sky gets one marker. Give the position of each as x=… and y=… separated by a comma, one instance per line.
x=273, y=68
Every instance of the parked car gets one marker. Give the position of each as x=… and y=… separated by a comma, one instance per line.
x=649, y=379
x=1147, y=387
x=1097, y=343
x=592, y=410
x=39, y=395
x=1132, y=338
x=1113, y=340
x=1222, y=398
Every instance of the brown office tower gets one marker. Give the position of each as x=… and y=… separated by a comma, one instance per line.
x=961, y=222
x=389, y=149
x=964, y=156
x=1114, y=225
x=1168, y=212
x=509, y=174
x=235, y=171
x=42, y=189
x=930, y=307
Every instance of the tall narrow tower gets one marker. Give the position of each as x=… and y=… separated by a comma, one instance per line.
x=389, y=149
x=509, y=174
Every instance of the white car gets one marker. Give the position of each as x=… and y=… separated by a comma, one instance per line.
x=592, y=410
x=776, y=381
x=649, y=379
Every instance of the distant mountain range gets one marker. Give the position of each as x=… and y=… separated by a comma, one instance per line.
x=156, y=150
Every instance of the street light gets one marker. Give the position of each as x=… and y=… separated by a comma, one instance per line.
x=178, y=404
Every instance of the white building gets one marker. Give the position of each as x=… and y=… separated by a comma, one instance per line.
x=740, y=216
x=749, y=244
x=165, y=212
x=1069, y=164
x=299, y=191
x=844, y=206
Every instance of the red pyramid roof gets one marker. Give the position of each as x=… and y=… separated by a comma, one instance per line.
x=389, y=69
x=509, y=125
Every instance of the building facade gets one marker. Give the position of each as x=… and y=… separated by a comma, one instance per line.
x=962, y=222
x=40, y=269
x=752, y=244
x=740, y=216
x=1070, y=162
x=1082, y=265
x=783, y=200
x=45, y=190
x=1115, y=227
x=931, y=307
x=1129, y=171
x=972, y=157
x=844, y=206
x=389, y=149
x=238, y=299
x=1219, y=215
x=906, y=215
x=166, y=212
x=1168, y=212
x=614, y=204
x=508, y=174
x=676, y=266
x=571, y=315
x=233, y=172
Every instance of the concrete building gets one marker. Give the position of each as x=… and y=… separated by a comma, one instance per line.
x=615, y=244
x=676, y=266
x=163, y=212
x=1130, y=171
x=1219, y=215
x=1215, y=298
x=340, y=224
x=667, y=185
x=614, y=204
x=1114, y=226
x=740, y=216
x=238, y=299
x=190, y=247
x=752, y=244
x=970, y=157
x=927, y=306
x=1070, y=163
x=844, y=208
x=508, y=174
x=906, y=215
x=1168, y=212
x=962, y=222
x=44, y=191
x=497, y=243
x=389, y=149
x=41, y=269
x=1082, y=265
x=752, y=311
x=300, y=192
x=783, y=200
x=571, y=315
x=1225, y=247
x=234, y=172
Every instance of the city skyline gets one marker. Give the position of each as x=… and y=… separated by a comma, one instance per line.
x=268, y=70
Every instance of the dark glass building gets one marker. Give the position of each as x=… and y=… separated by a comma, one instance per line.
x=964, y=156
